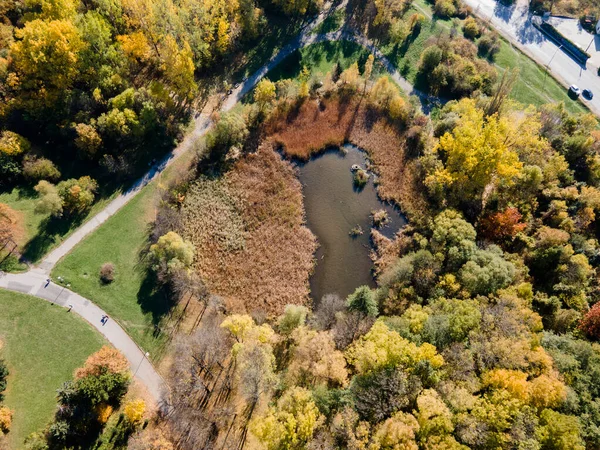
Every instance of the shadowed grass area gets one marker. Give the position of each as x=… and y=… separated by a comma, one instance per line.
x=42, y=345
x=42, y=233
x=131, y=298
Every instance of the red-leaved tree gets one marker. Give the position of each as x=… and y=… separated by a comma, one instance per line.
x=502, y=225
x=590, y=324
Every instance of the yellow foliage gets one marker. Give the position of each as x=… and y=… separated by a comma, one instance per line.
x=480, y=151
x=513, y=381
x=136, y=46
x=547, y=391
x=396, y=433
x=54, y=9
x=382, y=347
x=315, y=359
x=178, y=67
x=289, y=424
x=416, y=316
x=5, y=419
x=134, y=410
x=12, y=144
x=46, y=57
x=103, y=412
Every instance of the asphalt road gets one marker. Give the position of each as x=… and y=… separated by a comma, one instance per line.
x=514, y=23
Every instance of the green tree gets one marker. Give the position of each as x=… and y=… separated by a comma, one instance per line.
x=3, y=377
x=559, y=432
x=294, y=316
x=363, y=300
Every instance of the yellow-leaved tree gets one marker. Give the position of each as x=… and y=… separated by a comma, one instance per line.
x=289, y=424
x=479, y=154
x=45, y=59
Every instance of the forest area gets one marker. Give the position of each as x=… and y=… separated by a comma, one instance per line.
x=481, y=328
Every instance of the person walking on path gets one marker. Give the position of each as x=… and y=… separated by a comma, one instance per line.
x=104, y=320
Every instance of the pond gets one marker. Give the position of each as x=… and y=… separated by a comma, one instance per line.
x=334, y=206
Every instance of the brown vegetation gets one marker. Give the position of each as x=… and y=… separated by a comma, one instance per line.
x=248, y=230
x=11, y=224
x=107, y=358
x=314, y=126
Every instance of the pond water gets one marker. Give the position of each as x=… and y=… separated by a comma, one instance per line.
x=334, y=206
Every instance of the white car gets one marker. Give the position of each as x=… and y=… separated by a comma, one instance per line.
x=574, y=90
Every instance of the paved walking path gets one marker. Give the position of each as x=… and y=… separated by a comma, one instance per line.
x=34, y=281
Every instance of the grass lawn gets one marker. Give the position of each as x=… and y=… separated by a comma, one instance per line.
x=131, y=298
x=42, y=345
x=321, y=58
x=532, y=87
x=40, y=234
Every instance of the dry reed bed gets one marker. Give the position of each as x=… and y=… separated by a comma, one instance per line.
x=333, y=122
x=248, y=229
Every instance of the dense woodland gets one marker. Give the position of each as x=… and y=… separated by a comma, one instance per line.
x=482, y=331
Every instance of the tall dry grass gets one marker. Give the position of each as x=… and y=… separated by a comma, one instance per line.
x=252, y=246
x=314, y=126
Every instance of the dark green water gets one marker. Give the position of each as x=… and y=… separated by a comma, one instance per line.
x=333, y=207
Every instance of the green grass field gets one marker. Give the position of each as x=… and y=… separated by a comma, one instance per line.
x=131, y=298
x=42, y=345
x=41, y=235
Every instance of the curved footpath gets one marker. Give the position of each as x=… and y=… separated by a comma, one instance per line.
x=34, y=282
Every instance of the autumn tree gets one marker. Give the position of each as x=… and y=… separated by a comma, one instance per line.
x=8, y=222
x=105, y=359
x=502, y=225
x=315, y=360
x=5, y=419
x=264, y=93
x=171, y=253
x=290, y=423
x=478, y=154
x=134, y=411
x=46, y=59
x=590, y=324
x=77, y=195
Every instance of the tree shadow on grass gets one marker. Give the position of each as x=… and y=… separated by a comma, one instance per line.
x=49, y=232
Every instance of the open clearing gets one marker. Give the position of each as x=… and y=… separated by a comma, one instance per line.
x=42, y=345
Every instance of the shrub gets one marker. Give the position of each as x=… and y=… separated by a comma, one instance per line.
x=3, y=376
x=470, y=28
x=444, y=8
x=488, y=45
x=40, y=169
x=380, y=218
x=360, y=178
x=107, y=273
x=356, y=231
x=5, y=419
